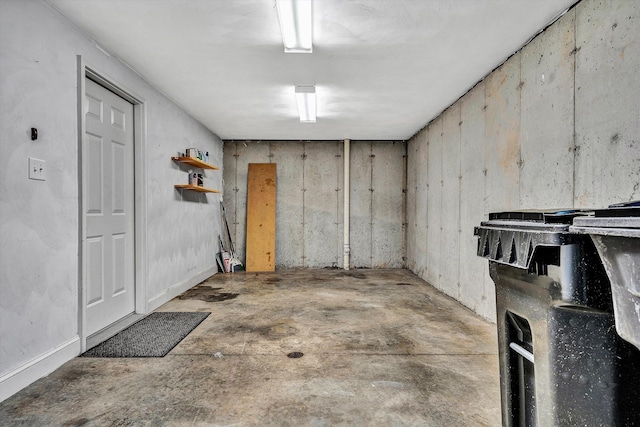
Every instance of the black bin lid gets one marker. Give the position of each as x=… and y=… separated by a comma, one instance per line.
x=547, y=216
x=630, y=209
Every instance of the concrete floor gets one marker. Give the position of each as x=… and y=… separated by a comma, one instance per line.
x=381, y=347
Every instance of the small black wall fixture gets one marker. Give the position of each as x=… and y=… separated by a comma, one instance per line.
x=34, y=134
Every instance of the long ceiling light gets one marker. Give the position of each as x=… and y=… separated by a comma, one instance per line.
x=295, y=24
x=306, y=99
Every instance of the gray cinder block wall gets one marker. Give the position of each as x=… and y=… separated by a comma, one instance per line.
x=556, y=126
x=309, y=210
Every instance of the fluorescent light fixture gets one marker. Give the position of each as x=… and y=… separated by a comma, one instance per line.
x=295, y=24
x=306, y=99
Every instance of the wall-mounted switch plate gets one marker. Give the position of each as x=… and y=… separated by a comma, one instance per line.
x=36, y=169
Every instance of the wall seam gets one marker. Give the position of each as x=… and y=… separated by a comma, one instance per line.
x=371, y=189
x=236, y=189
x=519, y=89
x=304, y=230
x=459, y=196
x=483, y=297
x=340, y=159
x=574, y=136
x=405, y=161
x=440, y=284
x=426, y=195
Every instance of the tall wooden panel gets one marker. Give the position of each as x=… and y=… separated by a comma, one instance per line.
x=261, y=217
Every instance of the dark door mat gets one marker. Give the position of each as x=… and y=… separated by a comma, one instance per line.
x=153, y=336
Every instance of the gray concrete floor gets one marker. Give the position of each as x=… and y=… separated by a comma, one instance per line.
x=381, y=347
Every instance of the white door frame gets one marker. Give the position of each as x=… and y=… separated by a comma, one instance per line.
x=85, y=70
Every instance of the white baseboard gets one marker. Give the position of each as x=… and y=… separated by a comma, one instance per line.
x=17, y=379
x=179, y=288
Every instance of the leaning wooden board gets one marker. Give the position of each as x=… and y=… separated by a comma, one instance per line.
x=261, y=217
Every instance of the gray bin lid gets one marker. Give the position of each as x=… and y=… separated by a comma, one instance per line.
x=616, y=235
x=618, y=220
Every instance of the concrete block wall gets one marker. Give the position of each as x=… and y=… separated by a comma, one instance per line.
x=557, y=125
x=309, y=206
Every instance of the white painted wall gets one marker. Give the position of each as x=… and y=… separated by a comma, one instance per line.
x=39, y=224
x=555, y=126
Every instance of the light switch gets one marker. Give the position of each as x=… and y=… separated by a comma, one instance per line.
x=36, y=169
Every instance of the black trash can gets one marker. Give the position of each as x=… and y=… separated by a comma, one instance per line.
x=561, y=362
x=616, y=235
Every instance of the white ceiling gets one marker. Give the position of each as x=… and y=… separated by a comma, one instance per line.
x=382, y=68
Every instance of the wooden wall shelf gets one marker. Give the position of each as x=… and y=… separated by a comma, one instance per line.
x=197, y=188
x=194, y=162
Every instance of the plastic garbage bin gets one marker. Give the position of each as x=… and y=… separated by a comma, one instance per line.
x=561, y=362
x=616, y=235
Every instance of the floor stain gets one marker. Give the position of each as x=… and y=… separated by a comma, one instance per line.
x=72, y=375
x=77, y=422
x=271, y=332
x=352, y=275
x=207, y=294
x=410, y=355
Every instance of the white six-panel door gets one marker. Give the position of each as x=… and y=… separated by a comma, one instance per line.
x=108, y=154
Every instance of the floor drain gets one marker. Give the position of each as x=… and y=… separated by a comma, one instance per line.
x=295, y=355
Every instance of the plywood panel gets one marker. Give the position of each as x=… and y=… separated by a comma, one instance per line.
x=261, y=217
x=386, y=229
x=246, y=152
x=546, y=128
x=607, y=103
